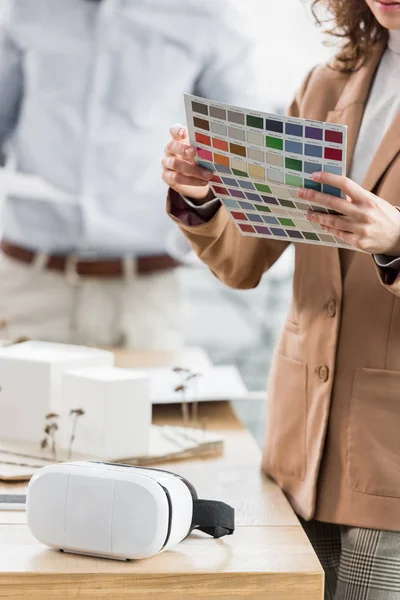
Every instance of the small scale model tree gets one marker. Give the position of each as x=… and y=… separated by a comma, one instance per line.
x=50, y=430
x=75, y=414
x=186, y=377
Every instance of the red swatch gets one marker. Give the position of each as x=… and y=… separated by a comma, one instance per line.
x=216, y=179
x=220, y=145
x=204, y=154
x=336, y=137
x=239, y=216
x=203, y=139
x=333, y=154
x=246, y=228
x=221, y=190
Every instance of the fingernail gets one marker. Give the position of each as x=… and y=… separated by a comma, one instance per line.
x=310, y=216
x=182, y=132
x=189, y=151
x=207, y=174
x=301, y=193
x=316, y=176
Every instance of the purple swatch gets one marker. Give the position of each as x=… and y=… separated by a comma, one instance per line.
x=270, y=200
x=236, y=193
x=314, y=133
x=263, y=230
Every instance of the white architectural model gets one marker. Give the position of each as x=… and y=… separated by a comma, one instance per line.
x=117, y=407
x=38, y=378
x=31, y=384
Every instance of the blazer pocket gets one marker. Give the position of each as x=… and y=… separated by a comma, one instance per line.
x=373, y=440
x=287, y=418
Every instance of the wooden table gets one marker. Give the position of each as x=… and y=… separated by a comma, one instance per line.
x=267, y=558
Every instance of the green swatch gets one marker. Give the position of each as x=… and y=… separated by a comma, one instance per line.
x=310, y=236
x=273, y=142
x=293, y=164
x=287, y=203
x=312, y=185
x=286, y=222
x=262, y=208
x=263, y=188
x=256, y=122
x=239, y=173
x=293, y=180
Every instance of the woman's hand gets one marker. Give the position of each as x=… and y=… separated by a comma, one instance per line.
x=366, y=221
x=180, y=170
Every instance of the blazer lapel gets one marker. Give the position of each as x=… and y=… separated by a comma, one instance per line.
x=385, y=155
x=350, y=107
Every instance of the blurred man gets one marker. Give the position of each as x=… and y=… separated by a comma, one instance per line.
x=88, y=89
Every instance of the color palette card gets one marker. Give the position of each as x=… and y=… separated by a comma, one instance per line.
x=259, y=161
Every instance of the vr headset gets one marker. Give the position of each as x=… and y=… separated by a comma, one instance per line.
x=118, y=511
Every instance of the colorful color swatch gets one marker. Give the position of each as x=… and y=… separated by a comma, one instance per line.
x=260, y=160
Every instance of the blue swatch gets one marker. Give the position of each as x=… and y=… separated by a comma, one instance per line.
x=280, y=232
x=254, y=218
x=246, y=185
x=334, y=170
x=231, y=203
x=311, y=150
x=254, y=197
x=246, y=205
x=292, y=129
x=276, y=126
x=330, y=189
x=312, y=167
x=229, y=181
x=294, y=147
x=220, y=168
x=206, y=165
x=271, y=220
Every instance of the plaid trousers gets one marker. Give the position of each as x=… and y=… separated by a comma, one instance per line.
x=359, y=564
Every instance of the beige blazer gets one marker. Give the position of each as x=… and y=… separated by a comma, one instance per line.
x=333, y=430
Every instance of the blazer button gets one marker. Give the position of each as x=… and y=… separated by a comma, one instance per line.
x=323, y=373
x=331, y=308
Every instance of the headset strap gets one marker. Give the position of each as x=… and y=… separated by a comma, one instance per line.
x=214, y=518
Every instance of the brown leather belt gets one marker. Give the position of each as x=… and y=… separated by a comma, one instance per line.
x=113, y=267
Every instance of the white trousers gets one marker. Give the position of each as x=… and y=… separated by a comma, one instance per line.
x=134, y=311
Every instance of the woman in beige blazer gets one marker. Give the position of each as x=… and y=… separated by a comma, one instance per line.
x=333, y=433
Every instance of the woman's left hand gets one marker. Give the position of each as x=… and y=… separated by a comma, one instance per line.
x=365, y=221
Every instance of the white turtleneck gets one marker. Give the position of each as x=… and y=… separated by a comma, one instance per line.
x=382, y=106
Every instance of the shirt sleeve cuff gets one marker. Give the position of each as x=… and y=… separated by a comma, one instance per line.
x=190, y=213
x=389, y=268
x=387, y=262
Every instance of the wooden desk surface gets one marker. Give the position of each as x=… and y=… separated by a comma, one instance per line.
x=267, y=558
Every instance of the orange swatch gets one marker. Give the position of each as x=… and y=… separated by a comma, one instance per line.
x=221, y=160
x=220, y=145
x=203, y=139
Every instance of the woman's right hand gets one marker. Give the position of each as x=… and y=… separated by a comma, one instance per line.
x=181, y=172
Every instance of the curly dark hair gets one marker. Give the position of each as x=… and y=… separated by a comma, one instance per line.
x=355, y=23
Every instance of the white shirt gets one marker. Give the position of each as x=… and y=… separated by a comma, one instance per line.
x=89, y=91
